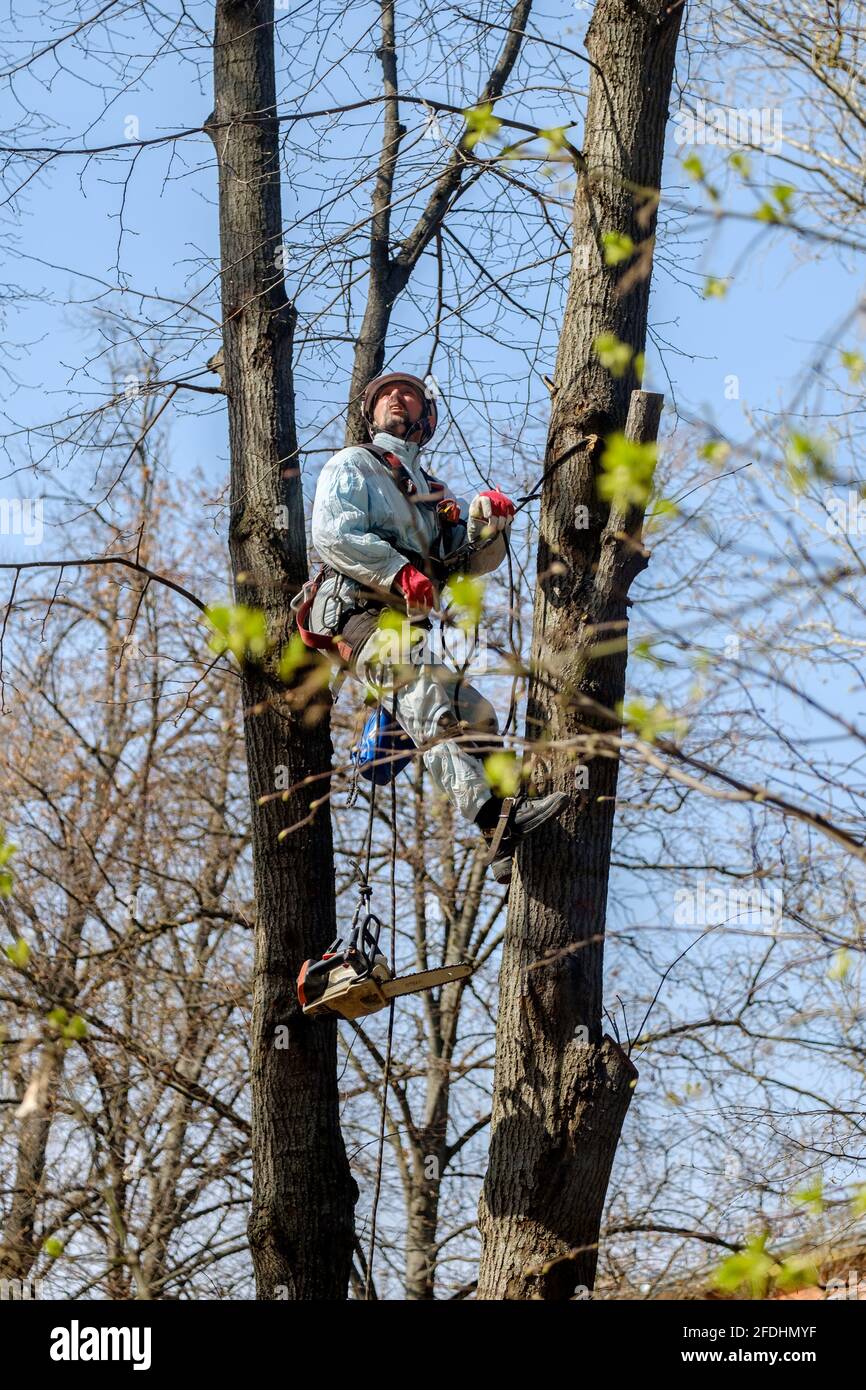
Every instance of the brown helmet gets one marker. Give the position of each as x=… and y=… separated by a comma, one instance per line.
x=429, y=415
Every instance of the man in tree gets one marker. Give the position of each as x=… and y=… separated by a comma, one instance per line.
x=385, y=527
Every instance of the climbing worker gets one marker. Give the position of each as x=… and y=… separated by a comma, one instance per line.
x=390, y=536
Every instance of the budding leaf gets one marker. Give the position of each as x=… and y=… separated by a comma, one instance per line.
x=694, y=168
x=554, y=138
x=481, y=124
x=648, y=721
x=715, y=451
x=241, y=630
x=841, y=964
x=617, y=248
x=855, y=364
x=627, y=471
x=751, y=1266
x=19, y=954
x=714, y=288
x=6, y=877
x=811, y=1196
x=612, y=354
x=502, y=771
x=467, y=595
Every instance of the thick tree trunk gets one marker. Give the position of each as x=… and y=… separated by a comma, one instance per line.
x=301, y=1224
x=561, y=1089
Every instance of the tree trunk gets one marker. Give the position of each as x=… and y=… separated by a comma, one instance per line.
x=301, y=1223
x=561, y=1089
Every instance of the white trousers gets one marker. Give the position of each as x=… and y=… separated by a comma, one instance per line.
x=427, y=705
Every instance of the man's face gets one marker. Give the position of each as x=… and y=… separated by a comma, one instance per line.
x=397, y=409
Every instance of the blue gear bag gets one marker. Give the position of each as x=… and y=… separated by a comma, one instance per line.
x=381, y=739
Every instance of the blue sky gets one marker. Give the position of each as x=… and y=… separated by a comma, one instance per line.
x=61, y=249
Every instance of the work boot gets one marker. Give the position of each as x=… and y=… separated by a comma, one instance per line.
x=525, y=818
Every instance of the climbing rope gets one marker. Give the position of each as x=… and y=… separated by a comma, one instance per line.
x=386, y=1076
x=366, y=889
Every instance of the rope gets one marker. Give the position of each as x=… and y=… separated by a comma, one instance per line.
x=365, y=874
x=387, y=1072
x=512, y=703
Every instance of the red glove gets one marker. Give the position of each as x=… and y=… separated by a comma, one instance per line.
x=416, y=587
x=500, y=505
x=489, y=513
x=449, y=510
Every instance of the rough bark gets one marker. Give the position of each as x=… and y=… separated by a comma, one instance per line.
x=561, y=1093
x=301, y=1223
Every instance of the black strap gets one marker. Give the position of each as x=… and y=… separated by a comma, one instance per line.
x=403, y=479
x=434, y=566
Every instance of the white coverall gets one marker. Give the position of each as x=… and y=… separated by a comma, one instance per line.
x=360, y=516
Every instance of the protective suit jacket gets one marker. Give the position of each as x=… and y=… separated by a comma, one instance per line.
x=366, y=529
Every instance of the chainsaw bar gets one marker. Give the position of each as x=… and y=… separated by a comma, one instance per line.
x=425, y=979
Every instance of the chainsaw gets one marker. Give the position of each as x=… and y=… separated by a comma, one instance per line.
x=353, y=977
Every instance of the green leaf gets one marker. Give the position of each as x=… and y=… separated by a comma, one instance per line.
x=811, y=1196
x=648, y=721
x=392, y=641
x=19, y=954
x=806, y=457
x=714, y=288
x=783, y=193
x=617, y=247
x=481, y=124
x=715, y=451
x=71, y=1029
x=694, y=168
x=554, y=137
x=643, y=650
x=613, y=354
x=740, y=163
x=7, y=878
x=53, y=1247
x=502, y=771
x=841, y=964
x=855, y=363
x=294, y=656
x=639, y=365
x=467, y=596
x=241, y=630
x=797, y=1272
x=751, y=1266
x=858, y=1201
x=627, y=469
